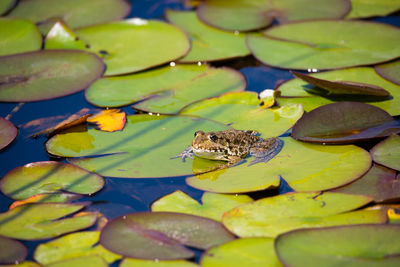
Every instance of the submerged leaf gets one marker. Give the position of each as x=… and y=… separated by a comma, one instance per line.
x=109, y=120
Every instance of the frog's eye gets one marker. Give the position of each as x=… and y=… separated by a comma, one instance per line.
x=198, y=132
x=213, y=137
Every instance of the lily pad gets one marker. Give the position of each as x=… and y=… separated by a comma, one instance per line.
x=48, y=177
x=145, y=142
x=312, y=168
x=358, y=245
x=344, y=122
x=208, y=43
x=242, y=111
x=18, y=36
x=372, y=8
x=243, y=252
x=245, y=15
x=379, y=182
x=343, y=87
x=301, y=92
x=161, y=235
x=166, y=89
x=213, y=205
x=11, y=251
x=264, y=217
x=32, y=76
x=79, y=244
x=60, y=36
x=76, y=13
x=8, y=132
x=47, y=198
x=387, y=152
x=134, y=44
x=309, y=45
x=88, y=261
x=5, y=5
x=152, y=263
x=41, y=221
x=390, y=71
x=24, y=264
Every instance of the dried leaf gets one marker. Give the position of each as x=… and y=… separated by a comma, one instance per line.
x=109, y=120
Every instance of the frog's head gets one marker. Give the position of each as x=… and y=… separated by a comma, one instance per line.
x=210, y=145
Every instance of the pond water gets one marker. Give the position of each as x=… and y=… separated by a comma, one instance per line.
x=121, y=196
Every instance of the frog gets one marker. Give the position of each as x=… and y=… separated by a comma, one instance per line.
x=232, y=146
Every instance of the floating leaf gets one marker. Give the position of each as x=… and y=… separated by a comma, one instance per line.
x=312, y=168
x=167, y=89
x=301, y=92
x=48, y=177
x=372, y=8
x=343, y=87
x=160, y=235
x=24, y=264
x=264, y=217
x=387, y=152
x=18, y=36
x=309, y=45
x=145, y=142
x=75, y=13
x=133, y=45
x=358, y=245
x=244, y=15
x=109, y=120
x=62, y=37
x=32, y=76
x=213, y=205
x=11, y=251
x=344, y=122
x=242, y=111
x=8, y=132
x=88, y=261
x=242, y=252
x=5, y=5
x=41, y=221
x=208, y=43
x=390, y=71
x=153, y=263
x=379, y=182
x=46, y=197
x=73, y=245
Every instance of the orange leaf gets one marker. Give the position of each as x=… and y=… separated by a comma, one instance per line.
x=109, y=120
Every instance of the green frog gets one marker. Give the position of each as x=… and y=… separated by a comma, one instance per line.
x=232, y=146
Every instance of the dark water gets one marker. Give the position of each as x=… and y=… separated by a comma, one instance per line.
x=122, y=196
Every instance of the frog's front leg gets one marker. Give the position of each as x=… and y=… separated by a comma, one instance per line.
x=266, y=150
x=187, y=153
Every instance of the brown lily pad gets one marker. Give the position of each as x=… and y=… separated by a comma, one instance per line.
x=8, y=132
x=390, y=71
x=11, y=251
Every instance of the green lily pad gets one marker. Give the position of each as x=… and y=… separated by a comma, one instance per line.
x=75, y=13
x=387, y=152
x=8, y=132
x=145, y=142
x=264, y=217
x=24, y=264
x=88, y=261
x=343, y=87
x=151, y=263
x=390, y=71
x=305, y=167
x=208, y=43
x=60, y=36
x=57, y=197
x=372, y=8
x=81, y=244
x=48, y=177
x=243, y=252
x=243, y=112
x=300, y=92
x=166, y=89
x=11, y=251
x=134, y=44
x=245, y=15
x=343, y=123
x=358, y=245
x=41, y=221
x=379, y=182
x=213, y=205
x=5, y=5
x=161, y=235
x=18, y=36
x=32, y=76
x=309, y=45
